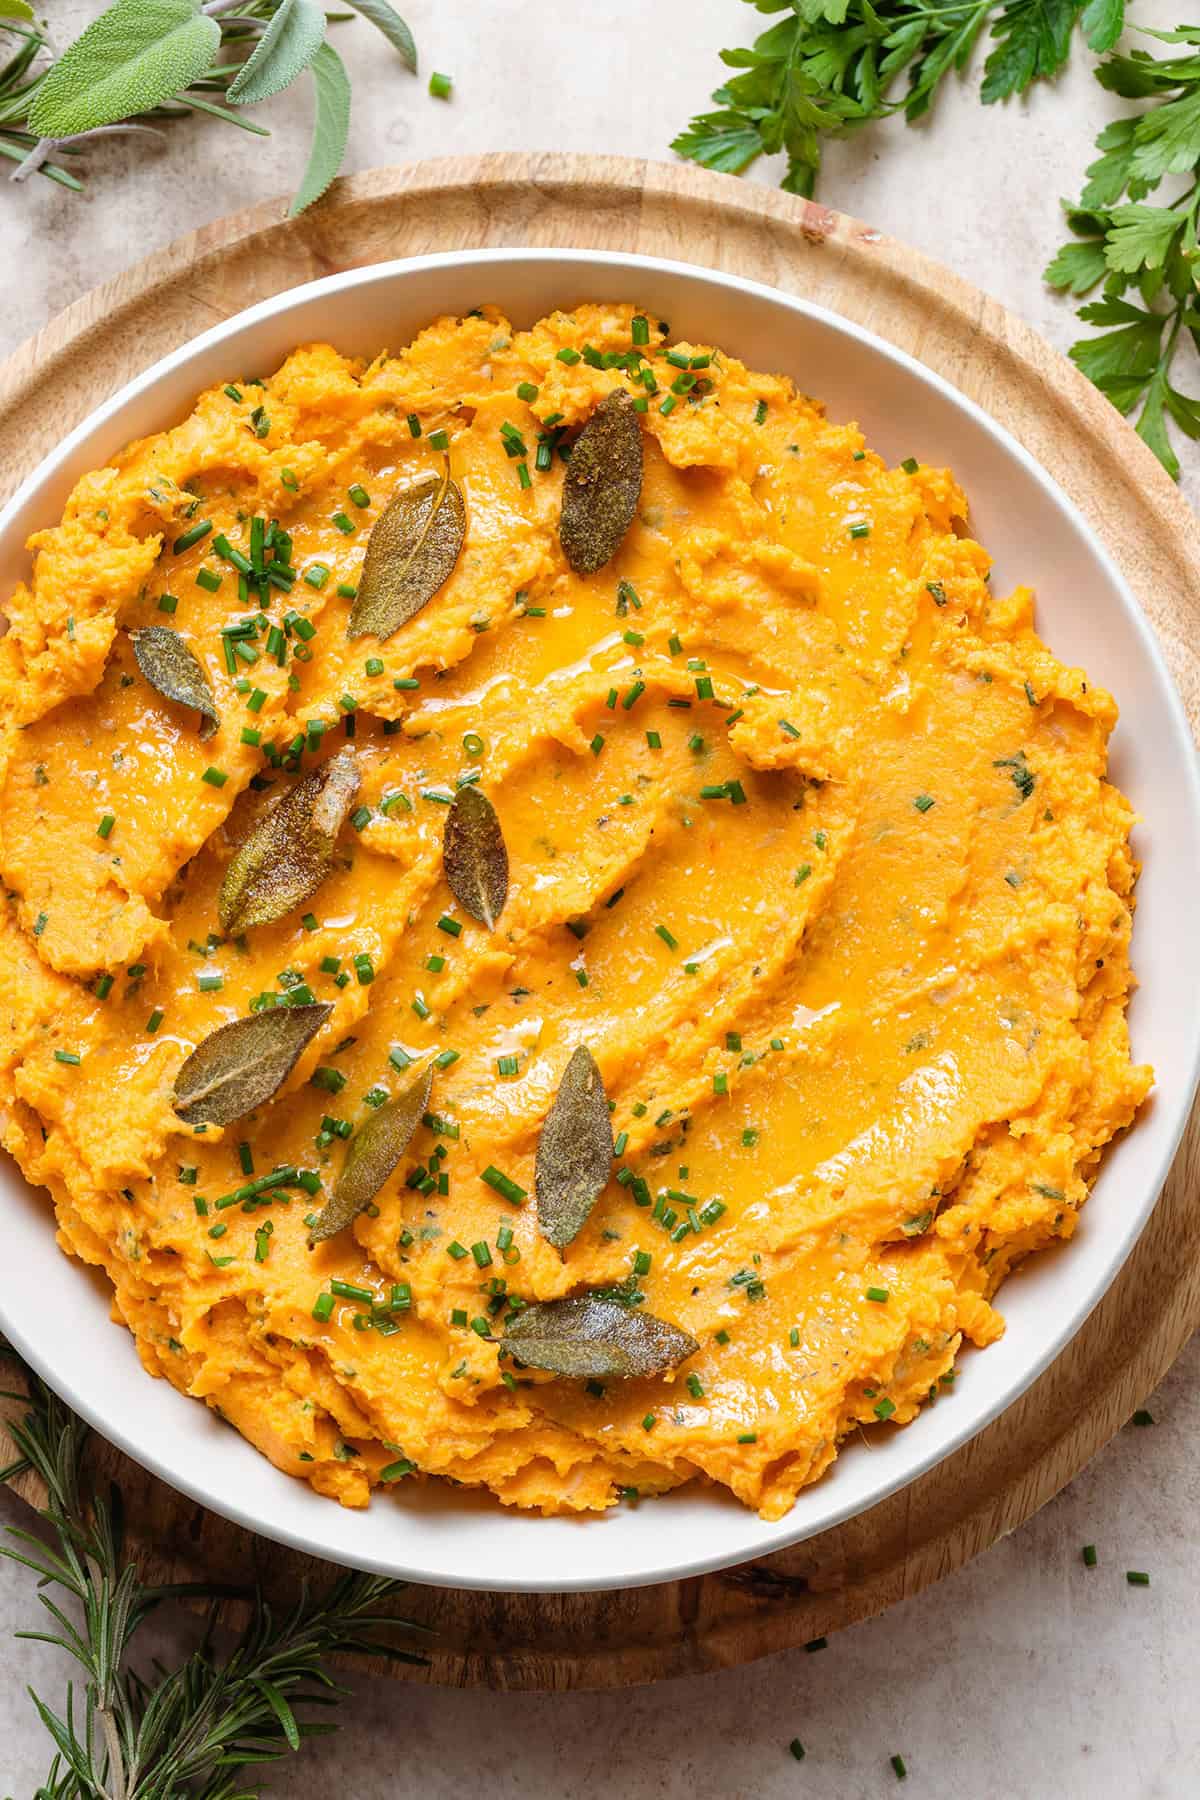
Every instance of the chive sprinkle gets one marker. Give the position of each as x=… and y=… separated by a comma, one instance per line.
x=440, y=85
x=797, y=1749
x=1089, y=1555
x=504, y=1185
x=898, y=1766
x=1137, y=1578
x=200, y=529
x=104, y=828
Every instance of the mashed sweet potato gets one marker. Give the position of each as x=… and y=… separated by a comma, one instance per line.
x=809, y=842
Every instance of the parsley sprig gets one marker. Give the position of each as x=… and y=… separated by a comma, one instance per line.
x=833, y=66
x=204, y=1727
x=1145, y=255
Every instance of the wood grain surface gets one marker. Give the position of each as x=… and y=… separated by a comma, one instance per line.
x=1015, y=1465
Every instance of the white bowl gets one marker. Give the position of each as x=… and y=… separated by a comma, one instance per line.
x=57, y=1315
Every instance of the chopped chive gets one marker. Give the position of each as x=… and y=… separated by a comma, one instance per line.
x=214, y=777
x=898, y=1766
x=440, y=85
x=167, y=603
x=860, y=530
x=1089, y=1555
x=797, y=1749
x=1137, y=1578
x=597, y=744
x=910, y=465
x=104, y=828
x=200, y=529
x=503, y=1185
x=68, y=1056
x=359, y=495
x=760, y=413
x=1142, y=1417
x=208, y=579
x=439, y=440
x=667, y=937
x=568, y=356
x=878, y=1294
x=923, y=802
x=884, y=1408
x=322, y=1307
x=507, y=1065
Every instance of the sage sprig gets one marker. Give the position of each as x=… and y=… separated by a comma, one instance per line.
x=143, y=62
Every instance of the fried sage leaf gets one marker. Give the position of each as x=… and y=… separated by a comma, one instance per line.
x=475, y=856
x=375, y=1149
x=172, y=670
x=602, y=485
x=596, y=1338
x=290, y=851
x=575, y=1151
x=241, y=1064
x=412, y=549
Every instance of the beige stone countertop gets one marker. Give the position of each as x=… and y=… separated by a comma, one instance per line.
x=1025, y=1675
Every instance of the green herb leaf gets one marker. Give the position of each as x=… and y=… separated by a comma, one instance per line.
x=594, y=1338
x=241, y=1064
x=575, y=1151
x=1033, y=43
x=173, y=670
x=602, y=485
x=1077, y=267
x=331, y=127
x=375, y=1149
x=475, y=857
x=288, y=854
x=1139, y=236
x=392, y=26
x=411, y=553
x=1102, y=22
x=132, y=58
x=284, y=51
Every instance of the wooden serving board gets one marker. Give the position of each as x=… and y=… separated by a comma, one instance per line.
x=1019, y=1462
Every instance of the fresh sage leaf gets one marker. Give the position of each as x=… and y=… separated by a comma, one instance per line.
x=240, y=1065
x=375, y=1149
x=392, y=26
x=475, y=857
x=331, y=127
x=173, y=671
x=289, y=853
x=283, y=52
x=132, y=58
x=596, y=1339
x=575, y=1151
x=412, y=549
x=602, y=485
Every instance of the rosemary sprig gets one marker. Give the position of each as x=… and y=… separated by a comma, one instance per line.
x=143, y=62
x=201, y=1729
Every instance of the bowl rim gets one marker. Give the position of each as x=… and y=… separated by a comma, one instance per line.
x=794, y=1528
